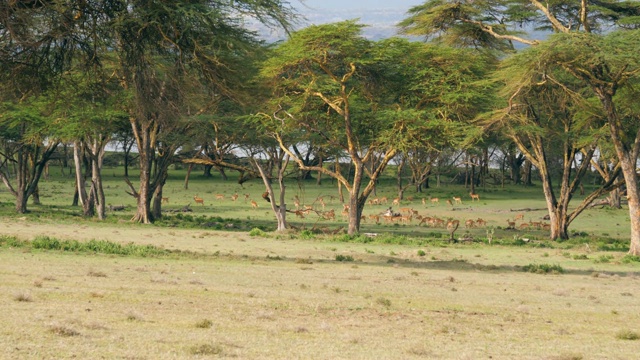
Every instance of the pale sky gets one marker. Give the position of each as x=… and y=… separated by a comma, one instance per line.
x=359, y=4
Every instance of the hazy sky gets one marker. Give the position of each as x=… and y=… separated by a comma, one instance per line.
x=359, y=4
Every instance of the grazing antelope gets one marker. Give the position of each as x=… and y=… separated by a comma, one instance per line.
x=457, y=199
x=234, y=197
x=481, y=222
x=384, y=200
x=345, y=207
x=246, y=197
x=374, y=201
x=254, y=204
x=299, y=213
x=165, y=200
x=198, y=200
x=524, y=226
x=546, y=227
x=396, y=201
x=449, y=202
x=219, y=196
x=452, y=225
x=345, y=214
x=518, y=217
x=425, y=220
x=296, y=203
x=474, y=196
x=329, y=215
x=469, y=224
x=375, y=218
x=406, y=218
x=512, y=224
x=405, y=210
x=437, y=222
x=434, y=200
x=535, y=224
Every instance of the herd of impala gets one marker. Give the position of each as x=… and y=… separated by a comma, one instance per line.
x=404, y=215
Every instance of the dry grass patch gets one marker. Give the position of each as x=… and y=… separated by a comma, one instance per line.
x=63, y=330
x=22, y=296
x=206, y=349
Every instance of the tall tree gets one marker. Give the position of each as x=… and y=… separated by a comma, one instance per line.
x=607, y=64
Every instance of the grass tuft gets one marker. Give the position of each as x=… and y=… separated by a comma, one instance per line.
x=22, y=297
x=204, y=324
x=63, y=330
x=627, y=335
x=206, y=349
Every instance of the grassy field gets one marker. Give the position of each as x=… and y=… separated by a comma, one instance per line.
x=208, y=284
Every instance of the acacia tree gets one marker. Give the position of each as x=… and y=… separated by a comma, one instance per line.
x=548, y=117
x=330, y=81
x=29, y=141
x=606, y=64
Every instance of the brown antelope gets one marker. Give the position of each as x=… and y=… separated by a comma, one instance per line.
x=396, y=201
x=535, y=224
x=375, y=218
x=299, y=213
x=424, y=201
x=246, y=197
x=384, y=200
x=434, y=200
x=481, y=222
x=452, y=224
x=234, y=197
x=457, y=199
x=524, y=226
x=219, y=196
x=512, y=224
x=405, y=210
x=322, y=203
x=425, y=220
x=438, y=222
x=254, y=204
x=518, y=217
x=296, y=203
x=474, y=196
x=198, y=200
x=449, y=202
x=329, y=215
x=374, y=201
x=345, y=214
x=469, y=224
x=546, y=227
x=345, y=207
x=165, y=200
x=406, y=218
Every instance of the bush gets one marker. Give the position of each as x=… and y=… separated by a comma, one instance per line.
x=627, y=335
x=344, y=258
x=543, y=269
x=257, y=232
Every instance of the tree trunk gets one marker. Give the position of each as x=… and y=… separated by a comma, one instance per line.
x=615, y=199
x=355, y=210
x=628, y=159
x=96, y=179
x=186, y=178
x=145, y=157
x=21, y=203
x=84, y=199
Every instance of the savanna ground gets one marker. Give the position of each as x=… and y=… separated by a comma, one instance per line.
x=211, y=284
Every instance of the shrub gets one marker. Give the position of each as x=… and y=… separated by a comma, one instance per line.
x=204, y=324
x=344, y=257
x=421, y=253
x=543, y=269
x=257, y=232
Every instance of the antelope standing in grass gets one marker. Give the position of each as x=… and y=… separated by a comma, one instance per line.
x=474, y=196
x=198, y=200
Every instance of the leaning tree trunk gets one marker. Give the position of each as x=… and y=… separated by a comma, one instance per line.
x=628, y=159
x=86, y=201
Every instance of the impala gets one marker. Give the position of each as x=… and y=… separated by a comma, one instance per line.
x=234, y=197
x=512, y=224
x=474, y=196
x=434, y=200
x=254, y=204
x=219, y=197
x=469, y=223
x=198, y=200
x=165, y=200
x=457, y=199
x=518, y=217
